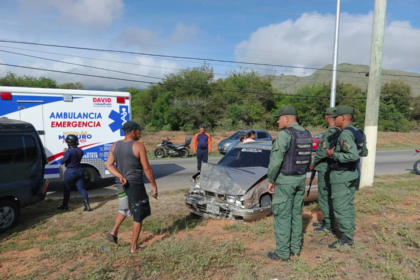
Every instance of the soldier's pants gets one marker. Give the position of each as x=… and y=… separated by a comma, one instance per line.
x=324, y=198
x=287, y=211
x=343, y=204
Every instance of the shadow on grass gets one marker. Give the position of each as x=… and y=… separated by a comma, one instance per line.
x=183, y=223
x=36, y=215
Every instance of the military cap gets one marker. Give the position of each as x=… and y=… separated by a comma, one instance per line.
x=331, y=112
x=286, y=111
x=344, y=110
x=130, y=126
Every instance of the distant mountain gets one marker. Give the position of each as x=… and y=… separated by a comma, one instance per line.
x=289, y=83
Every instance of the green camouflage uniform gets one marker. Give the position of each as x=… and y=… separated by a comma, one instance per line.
x=287, y=198
x=324, y=186
x=343, y=182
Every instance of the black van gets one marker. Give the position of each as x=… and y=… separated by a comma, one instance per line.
x=22, y=165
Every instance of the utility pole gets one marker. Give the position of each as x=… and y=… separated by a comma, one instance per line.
x=335, y=57
x=374, y=91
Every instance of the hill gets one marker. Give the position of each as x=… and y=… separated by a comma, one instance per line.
x=352, y=74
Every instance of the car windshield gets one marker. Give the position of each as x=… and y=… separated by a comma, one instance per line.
x=246, y=157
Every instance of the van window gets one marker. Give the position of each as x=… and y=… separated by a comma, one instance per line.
x=16, y=148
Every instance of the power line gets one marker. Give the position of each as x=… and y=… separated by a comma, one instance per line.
x=180, y=85
x=140, y=64
x=82, y=65
x=172, y=56
x=193, y=58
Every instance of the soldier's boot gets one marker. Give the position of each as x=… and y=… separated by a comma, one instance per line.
x=274, y=257
x=319, y=224
x=87, y=206
x=292, y=255
x=325, y=228
x=63, y=206
x=343, y=241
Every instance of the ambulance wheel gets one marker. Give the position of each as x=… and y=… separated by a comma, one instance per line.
x=9, y=215
x=159, y=153
x=91, y=176
x=184, y=153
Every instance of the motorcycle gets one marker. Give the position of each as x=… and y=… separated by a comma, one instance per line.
x=416, y=166
x=170, y=149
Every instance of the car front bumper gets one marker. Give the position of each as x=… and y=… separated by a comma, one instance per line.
x=197, y=204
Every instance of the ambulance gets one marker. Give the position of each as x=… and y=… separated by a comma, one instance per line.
x=96, y=117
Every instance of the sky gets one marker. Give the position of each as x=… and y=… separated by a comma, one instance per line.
x=298, y=33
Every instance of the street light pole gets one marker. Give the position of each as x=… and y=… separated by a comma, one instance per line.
x=374, y=91
x=335, y=58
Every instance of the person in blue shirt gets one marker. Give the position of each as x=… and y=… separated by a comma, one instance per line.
x=74, y=174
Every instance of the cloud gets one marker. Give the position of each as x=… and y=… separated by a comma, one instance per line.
x=308, y=42
x=184, y=32
x=147, y=39
x=89, y=13
x=138, y=37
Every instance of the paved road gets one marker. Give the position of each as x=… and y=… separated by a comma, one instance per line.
x=173, y=174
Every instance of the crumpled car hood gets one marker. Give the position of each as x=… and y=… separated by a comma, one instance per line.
x=229, y=181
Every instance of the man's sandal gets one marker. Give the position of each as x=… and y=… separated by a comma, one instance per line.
x=111, y=238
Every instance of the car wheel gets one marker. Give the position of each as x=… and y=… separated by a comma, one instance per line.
x=159, y=153
x=265, y=201
x=90, y=177
x=9, y=214
x=416, y=167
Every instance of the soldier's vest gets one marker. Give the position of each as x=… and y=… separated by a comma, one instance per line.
x=298, y=157
x=359, y=139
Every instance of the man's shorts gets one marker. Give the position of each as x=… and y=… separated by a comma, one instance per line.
x=124, y=205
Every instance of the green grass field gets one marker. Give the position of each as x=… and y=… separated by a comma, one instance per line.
x=47, y=244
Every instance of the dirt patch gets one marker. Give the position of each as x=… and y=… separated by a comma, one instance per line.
x=21, y=263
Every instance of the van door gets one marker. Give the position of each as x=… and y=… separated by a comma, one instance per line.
x=31, y=111
x=21, y=167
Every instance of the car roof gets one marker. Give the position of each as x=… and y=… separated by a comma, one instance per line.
x=256, y=130
x=264, y=145
x=15, y=125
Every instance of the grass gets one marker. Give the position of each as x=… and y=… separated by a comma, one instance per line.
x=70, y=245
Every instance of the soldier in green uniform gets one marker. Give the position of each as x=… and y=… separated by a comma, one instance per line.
x=320, y=164
x=289, y=161
x=350, y=146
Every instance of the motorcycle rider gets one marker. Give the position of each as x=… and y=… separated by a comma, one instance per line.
x=74, y=174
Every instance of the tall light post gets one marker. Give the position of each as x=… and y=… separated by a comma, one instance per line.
x=335, y=58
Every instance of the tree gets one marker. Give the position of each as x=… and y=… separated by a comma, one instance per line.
x=12, y=80
x=76, y=85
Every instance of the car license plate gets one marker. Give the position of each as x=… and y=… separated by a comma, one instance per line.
x=212, y=209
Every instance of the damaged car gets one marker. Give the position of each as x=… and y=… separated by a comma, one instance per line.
x=236, y=187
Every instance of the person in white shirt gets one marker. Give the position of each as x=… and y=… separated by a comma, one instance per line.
x=250, y=137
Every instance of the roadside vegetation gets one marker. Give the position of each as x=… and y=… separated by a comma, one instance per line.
x=245, y=99
x=48, y=244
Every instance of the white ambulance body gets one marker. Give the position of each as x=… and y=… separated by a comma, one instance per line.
x=96, y=117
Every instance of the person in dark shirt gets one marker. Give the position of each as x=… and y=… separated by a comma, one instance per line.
x=74, y=174
x=202, y=146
